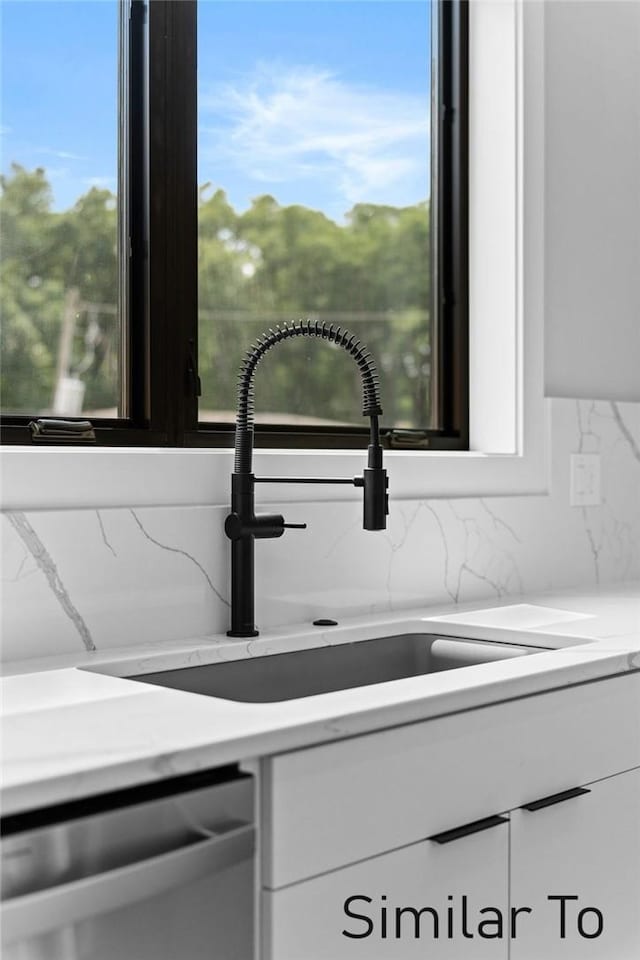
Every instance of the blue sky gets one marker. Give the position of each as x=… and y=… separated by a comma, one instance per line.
x=59, y=104
x=321, y=103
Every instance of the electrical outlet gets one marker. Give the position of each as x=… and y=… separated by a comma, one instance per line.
x=585, y=480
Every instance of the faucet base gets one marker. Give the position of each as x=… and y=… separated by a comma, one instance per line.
x=247, y=634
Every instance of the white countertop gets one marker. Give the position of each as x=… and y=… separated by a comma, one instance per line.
x=75, y=726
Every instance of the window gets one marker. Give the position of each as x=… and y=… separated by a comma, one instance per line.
x=71, y=216
x=268, y=160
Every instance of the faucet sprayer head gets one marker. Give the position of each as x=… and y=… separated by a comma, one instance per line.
x=375, y=495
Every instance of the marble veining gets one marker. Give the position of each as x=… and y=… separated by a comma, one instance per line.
x=485, y=557
x=625, y=431
x=184, y=553
x=604, y=528
x=103, y=534
x=107, y=578
x=47, y=565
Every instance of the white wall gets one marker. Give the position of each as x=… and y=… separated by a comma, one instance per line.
x=592, y=209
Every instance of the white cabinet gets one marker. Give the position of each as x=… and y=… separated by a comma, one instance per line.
x=306, y=921
x=352, y=818
x=588, y=847
x=331, y=805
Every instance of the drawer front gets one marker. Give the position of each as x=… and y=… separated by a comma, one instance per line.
x=306, y=921
x=338, y=803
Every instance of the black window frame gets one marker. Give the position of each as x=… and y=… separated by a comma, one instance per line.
x=160, y=301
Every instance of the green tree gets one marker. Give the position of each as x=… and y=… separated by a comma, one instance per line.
x=44, y=255
x=269, y=264
x=370, y=274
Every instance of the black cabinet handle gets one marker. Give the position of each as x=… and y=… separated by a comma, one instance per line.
x=554, y=798
x=467, y=829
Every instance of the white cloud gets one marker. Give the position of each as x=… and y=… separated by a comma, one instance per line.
x=61, y=154
x=57, y=173
x=283, y=124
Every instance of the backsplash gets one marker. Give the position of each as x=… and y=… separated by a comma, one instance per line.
x=89, y=579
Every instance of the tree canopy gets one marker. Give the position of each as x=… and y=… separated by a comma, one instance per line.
x=259, y=267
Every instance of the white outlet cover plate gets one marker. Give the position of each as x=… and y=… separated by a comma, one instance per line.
x=585, y=480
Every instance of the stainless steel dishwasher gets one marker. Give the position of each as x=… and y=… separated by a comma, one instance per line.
x=159, y=872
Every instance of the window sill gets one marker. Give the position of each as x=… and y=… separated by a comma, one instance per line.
x=59, y=478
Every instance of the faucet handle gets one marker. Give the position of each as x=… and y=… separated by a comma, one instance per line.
x=294, y=526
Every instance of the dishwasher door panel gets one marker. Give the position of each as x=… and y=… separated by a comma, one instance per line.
x=208, y=919
x=170, y=879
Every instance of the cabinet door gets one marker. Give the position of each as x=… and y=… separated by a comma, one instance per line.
x=306, y=920
x=586, y=846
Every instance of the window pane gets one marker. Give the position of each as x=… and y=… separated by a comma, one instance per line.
x=314, y=173
x=59, y=260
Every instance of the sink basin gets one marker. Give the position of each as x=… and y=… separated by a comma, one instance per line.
x=306, y=673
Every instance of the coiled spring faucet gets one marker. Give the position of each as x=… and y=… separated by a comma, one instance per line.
x=243, y=526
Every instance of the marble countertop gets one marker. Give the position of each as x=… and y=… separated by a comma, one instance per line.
x=75, y=725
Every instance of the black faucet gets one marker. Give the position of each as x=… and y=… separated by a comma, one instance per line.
x=242, y=526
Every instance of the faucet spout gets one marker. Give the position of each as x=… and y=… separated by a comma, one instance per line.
x=242, y=526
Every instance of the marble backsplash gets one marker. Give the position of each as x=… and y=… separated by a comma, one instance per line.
x=90, y=579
